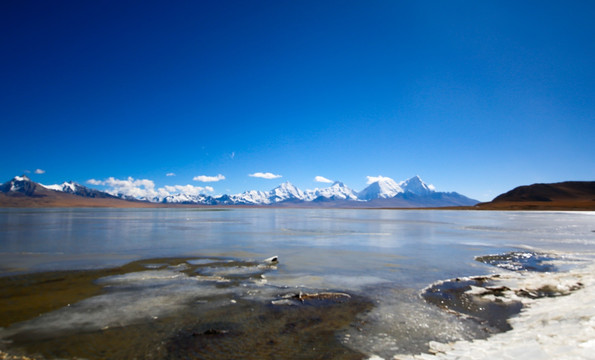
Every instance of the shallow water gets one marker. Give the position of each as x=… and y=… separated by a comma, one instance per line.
x=166, y=308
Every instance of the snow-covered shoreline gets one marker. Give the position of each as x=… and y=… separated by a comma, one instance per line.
x=560, y=327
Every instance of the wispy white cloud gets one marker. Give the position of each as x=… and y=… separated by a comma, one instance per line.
x=266, y=175
x=322, y=179
x=145, y=189
x=170, y=174
x=232, y=155
x=39, y=171
x=373, y=179
x=205, y=178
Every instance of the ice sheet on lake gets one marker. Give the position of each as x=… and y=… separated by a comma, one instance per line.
x=142, y=296
x=141, y=278
x=336, y=282
x=133, y=297
x=234, y=270
x=401, y=324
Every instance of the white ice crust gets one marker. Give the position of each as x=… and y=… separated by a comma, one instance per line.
x=561, y=327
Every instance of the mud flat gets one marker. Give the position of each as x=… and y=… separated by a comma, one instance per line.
x=202, y=308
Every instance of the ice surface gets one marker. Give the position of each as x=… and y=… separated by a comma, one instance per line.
x=381, y=254
x=561, y=327
x=352, y=283
x=202, y=261
x=234, y=270
x=140, y=278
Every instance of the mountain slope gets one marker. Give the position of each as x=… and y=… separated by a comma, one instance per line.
x=564, y=191
x=569, y=195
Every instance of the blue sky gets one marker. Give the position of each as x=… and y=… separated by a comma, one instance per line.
x=474, y=96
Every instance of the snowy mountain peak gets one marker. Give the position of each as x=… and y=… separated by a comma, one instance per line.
x=20, y=184
x=286, y=185
x=417, y=186
x=21, y=178
x=67, y=187
x=380, y=187
x=286, y=191
x=337, y=191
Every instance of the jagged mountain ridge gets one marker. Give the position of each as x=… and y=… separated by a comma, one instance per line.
x=383, y=192
x=74, y=188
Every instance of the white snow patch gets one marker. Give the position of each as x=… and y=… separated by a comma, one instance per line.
x=561, y=327
x=54, y=187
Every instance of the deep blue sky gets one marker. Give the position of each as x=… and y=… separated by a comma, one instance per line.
x=474, y=96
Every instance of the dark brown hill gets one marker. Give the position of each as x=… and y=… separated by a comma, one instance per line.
x=568, y=195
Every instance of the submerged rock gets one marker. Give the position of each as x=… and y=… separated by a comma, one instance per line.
x=211, y=332
x=301, y=297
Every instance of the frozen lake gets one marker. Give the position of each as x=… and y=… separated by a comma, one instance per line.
x=384, y=256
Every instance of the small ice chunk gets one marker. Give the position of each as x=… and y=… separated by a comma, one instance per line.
x=271, y=260
x=284, y=302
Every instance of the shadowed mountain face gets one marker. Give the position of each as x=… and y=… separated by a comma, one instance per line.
x=23, y=186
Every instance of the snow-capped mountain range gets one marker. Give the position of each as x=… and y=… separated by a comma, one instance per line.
x=381, y=191
x=284, y=193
